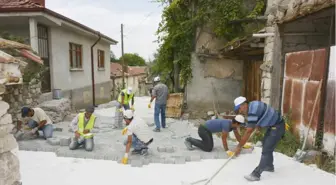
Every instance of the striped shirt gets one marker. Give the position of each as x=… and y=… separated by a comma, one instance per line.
x=262, y=115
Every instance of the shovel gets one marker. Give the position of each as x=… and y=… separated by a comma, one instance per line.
x=300, y=154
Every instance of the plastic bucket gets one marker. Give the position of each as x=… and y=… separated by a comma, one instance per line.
x=57, y=94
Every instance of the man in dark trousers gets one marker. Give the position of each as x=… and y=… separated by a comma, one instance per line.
x=260, y=115
x=210, y=127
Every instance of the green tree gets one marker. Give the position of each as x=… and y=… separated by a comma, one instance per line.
x=133, y=59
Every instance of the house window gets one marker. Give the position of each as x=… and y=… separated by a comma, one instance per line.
x=101, y=59
x=75, y=54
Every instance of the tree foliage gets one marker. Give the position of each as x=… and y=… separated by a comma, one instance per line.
x=177, y=30
x=133, y=59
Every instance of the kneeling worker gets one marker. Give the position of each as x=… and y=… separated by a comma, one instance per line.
x=206, y=130
x=82, y=125
x=139, y=136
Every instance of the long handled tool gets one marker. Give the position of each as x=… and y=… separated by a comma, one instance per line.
x=299, y=155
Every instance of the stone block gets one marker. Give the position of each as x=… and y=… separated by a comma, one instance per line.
x=145, y=161
x=5, y=129
x=161, y=149
x=6, y=119
x=58, y=129
x=266, y=93
x=3, y=108
x=266, y=83
x=28, y=101
x=157, y=160
x=170, y=149
x=65, y=141
x=57, y=109
x=211, y=113
x=169, y=161
x=136, y=163
x=7, y=143
x=9, y=168
x=53, y=141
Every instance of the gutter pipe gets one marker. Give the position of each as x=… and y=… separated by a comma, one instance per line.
x=92, y=71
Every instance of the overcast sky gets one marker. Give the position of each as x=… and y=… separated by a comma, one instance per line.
x=140, y=19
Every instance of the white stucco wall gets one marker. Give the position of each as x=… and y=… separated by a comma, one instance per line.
x=61, y=75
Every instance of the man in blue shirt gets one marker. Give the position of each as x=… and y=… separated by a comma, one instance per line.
x=206, y=130
x=260, y=115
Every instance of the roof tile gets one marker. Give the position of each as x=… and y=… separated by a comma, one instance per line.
x=18, y=4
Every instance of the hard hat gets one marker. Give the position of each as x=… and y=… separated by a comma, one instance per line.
x=128, y=114
x=157, y=79
x=238, y=101
x=240, y=119
x=129, y=90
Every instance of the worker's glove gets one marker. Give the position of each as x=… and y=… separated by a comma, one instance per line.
x=247, y=146
x=287, y=126
x=149, y=105
x=229, y=153
x=124, y=131
x=34, y=130
x=132, y=108
x=120, y=110
x=124, y=160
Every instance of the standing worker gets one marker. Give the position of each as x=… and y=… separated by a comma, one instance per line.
x=260, y=115
x=124, y=99
x=210, y=127
x=83, y=125
x=139, y=135
x=160, y=93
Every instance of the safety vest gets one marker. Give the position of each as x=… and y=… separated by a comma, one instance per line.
x=127, y=97
x=89, y=125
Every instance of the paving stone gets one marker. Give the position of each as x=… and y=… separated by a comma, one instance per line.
x=145, y=161
x=170, y=149
x=180, y=160
x=195, y=157
x=65, y=141
x=157, y=160
x=57, y=129
x=53, y=141
x=161, y=149
x=208, y=155
x=169, y=161
x=136, y=163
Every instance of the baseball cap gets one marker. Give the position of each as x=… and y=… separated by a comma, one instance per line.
x=238, y=101
x=24, y=111
x=90, y=109
x=240, y=119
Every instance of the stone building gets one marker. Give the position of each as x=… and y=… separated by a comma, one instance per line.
x=299, y=54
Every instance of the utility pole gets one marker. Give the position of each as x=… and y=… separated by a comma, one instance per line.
x=122, y=56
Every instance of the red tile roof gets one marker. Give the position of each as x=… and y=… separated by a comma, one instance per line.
x=116, y=70
x=18, y=4
x=29, y=6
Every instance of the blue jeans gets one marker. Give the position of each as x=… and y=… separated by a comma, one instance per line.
x=271, y=139
x=136, y=143
x=46, y=129
x=157, y=110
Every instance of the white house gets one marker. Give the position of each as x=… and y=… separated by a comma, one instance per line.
x=65, y=46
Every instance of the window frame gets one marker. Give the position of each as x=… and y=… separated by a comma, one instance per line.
x=100, y=56
x=78, y=50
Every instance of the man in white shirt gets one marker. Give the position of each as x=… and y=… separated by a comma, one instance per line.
x=139, y=136
x=38, y=120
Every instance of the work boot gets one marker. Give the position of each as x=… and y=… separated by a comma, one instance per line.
x=269, y=169
x=188, y=144
x=252, y=177
x=143, y=151
x=156, y=130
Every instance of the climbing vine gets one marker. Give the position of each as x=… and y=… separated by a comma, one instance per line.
x=180, y=20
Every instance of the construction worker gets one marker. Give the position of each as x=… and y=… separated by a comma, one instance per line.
x=124, y=98
x=260, y=115
x=160, y=94
x=139, y=135
x=83, y=125
x=37, y=120
x=210, y=127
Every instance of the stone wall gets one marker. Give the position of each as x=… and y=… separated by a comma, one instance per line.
x=22, y=95
x=9, y=161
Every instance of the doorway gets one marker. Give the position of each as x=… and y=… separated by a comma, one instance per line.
x=43, y=49
x=252, y=79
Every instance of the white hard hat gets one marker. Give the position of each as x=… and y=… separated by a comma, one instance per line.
x=157, y=79
x=240, y=119
x=238, y=101
x=128, y=114
x=129, y=90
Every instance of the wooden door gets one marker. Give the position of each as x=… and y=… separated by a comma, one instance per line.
x=252, y=79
